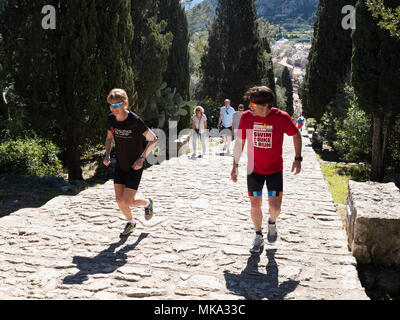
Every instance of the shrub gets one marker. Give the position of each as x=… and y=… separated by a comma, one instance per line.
x=354, y=136
x=29, y=157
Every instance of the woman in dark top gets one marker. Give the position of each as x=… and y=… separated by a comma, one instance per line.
x=129, y=133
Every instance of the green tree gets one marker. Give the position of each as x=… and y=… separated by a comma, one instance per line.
x=149, y=49
x=62, y=76
x=213, y=61
x=329, y=59
x=375, y=77
x=390, y=17
x=287, y=84
x=268, y=77
x=353, y=132
x=234, y=59
x=177, y=74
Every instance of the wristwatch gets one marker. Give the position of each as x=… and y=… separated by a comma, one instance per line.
x=299, y=158
x=143, y=158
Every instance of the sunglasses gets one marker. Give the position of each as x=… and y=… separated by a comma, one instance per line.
x=117, y=105
x=252, y=104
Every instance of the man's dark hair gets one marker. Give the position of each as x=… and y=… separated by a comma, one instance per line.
x=260, y=95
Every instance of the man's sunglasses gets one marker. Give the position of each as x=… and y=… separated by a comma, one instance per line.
x=117, y=105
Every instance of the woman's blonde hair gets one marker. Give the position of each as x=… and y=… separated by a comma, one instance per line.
x=199, y=108
x=117, y=95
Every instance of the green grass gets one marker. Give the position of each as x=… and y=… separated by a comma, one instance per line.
x=338, y=176
x=338, y=183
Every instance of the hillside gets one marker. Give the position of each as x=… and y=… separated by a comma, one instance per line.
x=294, y=18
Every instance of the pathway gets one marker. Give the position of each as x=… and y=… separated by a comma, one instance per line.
x=196, y=246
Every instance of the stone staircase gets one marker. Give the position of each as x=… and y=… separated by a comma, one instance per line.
x=196, y=246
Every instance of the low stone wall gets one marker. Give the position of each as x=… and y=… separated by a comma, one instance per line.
x=373, y=228
x=373, y=223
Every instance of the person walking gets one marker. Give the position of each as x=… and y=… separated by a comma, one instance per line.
x=130, y=134
x=300, y=122
x=264, y=129
x=199, y=126
x=225, y=124
x=236, y=119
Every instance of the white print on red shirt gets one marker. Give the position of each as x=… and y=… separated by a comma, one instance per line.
x=262, y=136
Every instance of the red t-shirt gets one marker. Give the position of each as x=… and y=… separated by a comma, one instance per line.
x=265, y=139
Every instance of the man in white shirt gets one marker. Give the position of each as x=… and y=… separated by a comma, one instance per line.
x=225, y=124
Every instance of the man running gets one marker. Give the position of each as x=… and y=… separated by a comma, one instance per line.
x=130, y=134
x=263, y=127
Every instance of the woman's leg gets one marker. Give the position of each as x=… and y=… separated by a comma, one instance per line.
x=194, y=142
x=122, y=203
x=203, y=142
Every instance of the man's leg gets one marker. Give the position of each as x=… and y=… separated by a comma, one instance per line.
x=255, y=185
x=274, y=208
x=275, y=187
x=256, y=212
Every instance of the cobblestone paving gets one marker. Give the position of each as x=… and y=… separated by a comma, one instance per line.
x=195, y=247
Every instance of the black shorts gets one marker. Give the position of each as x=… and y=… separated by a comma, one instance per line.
x=225, y=129
x=255, y=184
x=131, y=179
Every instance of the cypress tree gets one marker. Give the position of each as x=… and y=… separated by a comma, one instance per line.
x=269, y=77
x=287, y=84
x=213, y=61
x=177, y=74
x=150, y=48
x=375, y=76
x=234, y=59
x=63, y=75
x=329, y=58
x=244, y=66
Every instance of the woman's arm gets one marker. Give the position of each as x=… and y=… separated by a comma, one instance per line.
x=152, y=140
x=108, y=145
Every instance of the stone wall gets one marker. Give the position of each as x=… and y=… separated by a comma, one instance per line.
x=373, y=228
x=373, y=223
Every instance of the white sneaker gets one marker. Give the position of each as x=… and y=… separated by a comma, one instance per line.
x=257, y=244
x=272, y=233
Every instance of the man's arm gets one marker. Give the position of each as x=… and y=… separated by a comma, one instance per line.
x=237, y=153
x=219, y=120
x=297, y=141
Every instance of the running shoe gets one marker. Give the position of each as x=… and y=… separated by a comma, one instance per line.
x=272, y=233
x=148, y=211
x=257, y=245
x=128, y=229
